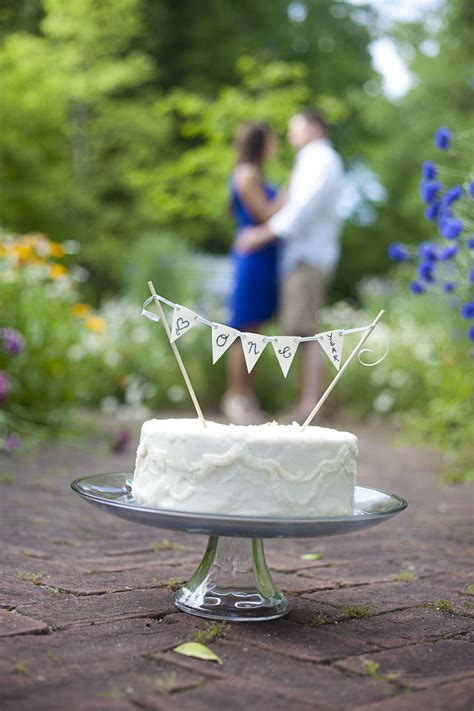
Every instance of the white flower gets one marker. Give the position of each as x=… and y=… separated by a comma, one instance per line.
x=176, y=393
x=109, y=405
x=397, y=378
x=384, y=402
x=76, y=352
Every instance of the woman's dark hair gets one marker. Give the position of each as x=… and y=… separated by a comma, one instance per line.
x=250, y=141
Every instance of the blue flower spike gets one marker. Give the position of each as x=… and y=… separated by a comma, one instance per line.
x=429, y=191
x=428, y=170
x=442, y=138
x=425, y=271
x=450, y=227
x=447, y=253
x=432, y=211
x=427, y=252
x=398, y=253
x=467, y=310
x=416, y=287
x=452, y=195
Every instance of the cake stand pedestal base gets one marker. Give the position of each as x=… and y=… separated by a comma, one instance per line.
x=232, y=583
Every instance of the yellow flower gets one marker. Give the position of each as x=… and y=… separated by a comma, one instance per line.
x=56, y=249
x=81, y=310
x=57, y=271
x=95, y=323
x=23, y=251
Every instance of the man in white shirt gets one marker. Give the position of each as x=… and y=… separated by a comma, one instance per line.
x=309, y=229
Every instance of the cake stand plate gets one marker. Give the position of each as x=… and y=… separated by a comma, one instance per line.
x=233, y=582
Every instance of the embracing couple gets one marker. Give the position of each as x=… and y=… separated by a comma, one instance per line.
x=286, y=248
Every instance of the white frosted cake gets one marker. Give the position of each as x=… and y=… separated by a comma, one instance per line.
x=254, y=470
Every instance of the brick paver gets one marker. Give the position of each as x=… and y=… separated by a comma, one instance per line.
x=382, y=621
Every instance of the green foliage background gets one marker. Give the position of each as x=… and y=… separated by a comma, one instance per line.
x=117, y=119
x=117, y=116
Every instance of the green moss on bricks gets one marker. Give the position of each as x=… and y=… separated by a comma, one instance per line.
x=166, y=545
x=405, y=576
x=212, y=631
x=320, y=619
x=446, y=606
x=173, y=583
x=21, y=667
x=359, y=611
x=370, y=667
x=30, y=575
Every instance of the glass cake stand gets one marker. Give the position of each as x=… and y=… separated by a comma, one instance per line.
x=233, y=582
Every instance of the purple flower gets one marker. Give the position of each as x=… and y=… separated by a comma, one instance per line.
x=470, y=189
x=448, y=253
x=448, y=287
x=470, y=333
x=427, y=252
x=467, y=310
x=450, y=227
x=398, y=253
x=12, y=441
x=429, y=191
x=12, y=341
x=4, y=386
x=121, y=441
x=442, y=138
x=432, y=211
x=428, y=170
x=425, y=271
x=416, y=287
x=452, y=195
x=470, y=242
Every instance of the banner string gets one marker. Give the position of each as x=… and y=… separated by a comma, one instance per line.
x=213, y=324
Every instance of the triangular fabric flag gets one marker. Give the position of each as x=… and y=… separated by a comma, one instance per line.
x=285, y=348
x=332, y=342
x=183, y=320
x=222, y=338
x=253, y=345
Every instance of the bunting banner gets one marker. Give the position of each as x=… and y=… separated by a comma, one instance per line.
x=183, y=321
x=253, y=344
x=222, y=338
x=285, y=348
x=332, y=343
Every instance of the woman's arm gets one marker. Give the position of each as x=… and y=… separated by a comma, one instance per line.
x=248, y=182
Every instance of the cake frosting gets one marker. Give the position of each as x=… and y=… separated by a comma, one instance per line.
x=253, y=470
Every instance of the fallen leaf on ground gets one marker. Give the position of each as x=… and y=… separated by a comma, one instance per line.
x=198, y=650
x=311, y=556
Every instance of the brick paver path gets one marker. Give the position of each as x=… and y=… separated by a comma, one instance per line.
x=380, y=621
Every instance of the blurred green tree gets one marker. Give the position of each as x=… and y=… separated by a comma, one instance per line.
x=438, y=52
x=118, y=116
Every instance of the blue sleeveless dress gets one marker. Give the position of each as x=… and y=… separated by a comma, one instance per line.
x=254, y=295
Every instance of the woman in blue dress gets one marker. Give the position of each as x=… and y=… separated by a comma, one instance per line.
x=255, y=280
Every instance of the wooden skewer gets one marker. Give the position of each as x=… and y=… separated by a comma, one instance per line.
x=177, y=356
x=339, y=375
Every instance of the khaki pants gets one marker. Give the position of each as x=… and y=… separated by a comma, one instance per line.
x=302, y=295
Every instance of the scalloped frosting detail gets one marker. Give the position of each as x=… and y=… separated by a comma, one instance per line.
x=238, y=481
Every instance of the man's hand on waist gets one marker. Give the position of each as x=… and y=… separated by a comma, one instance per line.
x=250, y=239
